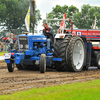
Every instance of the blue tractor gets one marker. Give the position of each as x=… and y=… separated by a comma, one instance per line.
x=34, y=51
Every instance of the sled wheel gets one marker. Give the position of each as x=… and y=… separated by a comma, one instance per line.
x=98, y=61
x=43, y=63
x=10, y=66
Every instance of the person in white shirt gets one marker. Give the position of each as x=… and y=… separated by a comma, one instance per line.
x=11, y=42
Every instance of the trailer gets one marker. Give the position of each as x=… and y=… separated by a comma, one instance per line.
x=79, y=51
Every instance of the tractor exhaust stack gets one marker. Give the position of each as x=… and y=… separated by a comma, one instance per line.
x=33, y=6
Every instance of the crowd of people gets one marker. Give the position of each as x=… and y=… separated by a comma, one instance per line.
x=7, y=45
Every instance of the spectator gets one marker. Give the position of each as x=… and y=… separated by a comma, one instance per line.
x=64, y=31
x=6, y=43
x=14, y=40
x=11, y=42
x=2, y=46
x=8, y=40
x=59, y=31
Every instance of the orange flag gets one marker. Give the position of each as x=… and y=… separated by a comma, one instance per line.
x=61, y=25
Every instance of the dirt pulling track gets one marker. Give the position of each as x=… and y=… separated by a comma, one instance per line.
x=25, y=79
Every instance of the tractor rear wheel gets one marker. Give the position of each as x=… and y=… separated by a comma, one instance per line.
x=76, y=54
x=43, y=63
x=24, y=67
x=60, y=51
x=19, y=66
x=10, y=66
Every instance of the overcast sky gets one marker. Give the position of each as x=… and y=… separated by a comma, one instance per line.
x=45, y=6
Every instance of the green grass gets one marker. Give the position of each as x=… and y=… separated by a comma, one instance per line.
x=2, y=53
x=76, y=91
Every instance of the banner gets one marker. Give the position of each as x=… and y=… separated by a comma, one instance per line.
x=27, y=20
x=62, y=23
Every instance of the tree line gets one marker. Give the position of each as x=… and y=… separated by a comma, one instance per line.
x=83, y=19
x=13, y=12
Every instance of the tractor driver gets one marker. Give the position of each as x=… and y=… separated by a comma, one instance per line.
x=48, y=32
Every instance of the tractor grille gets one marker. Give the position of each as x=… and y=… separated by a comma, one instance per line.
x=23, y=43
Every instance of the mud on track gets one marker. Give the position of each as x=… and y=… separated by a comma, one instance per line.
x=3, y=65
x=25, y=79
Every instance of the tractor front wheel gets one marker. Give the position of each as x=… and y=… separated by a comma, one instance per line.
x=10, y=66
x=43, y=63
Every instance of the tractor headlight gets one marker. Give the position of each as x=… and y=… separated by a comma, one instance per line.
x=21, y=46
x=26, y=46
x=23, y=42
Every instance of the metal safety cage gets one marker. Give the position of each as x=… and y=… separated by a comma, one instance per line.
x=58, y=20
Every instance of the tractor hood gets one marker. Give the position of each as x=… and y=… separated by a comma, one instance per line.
x=34, y=38
x=25, y=42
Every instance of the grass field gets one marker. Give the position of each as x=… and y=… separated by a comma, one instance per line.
x=77, y=91
x=2, y=53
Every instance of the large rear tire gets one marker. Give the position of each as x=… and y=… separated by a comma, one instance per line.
x=76, y=54
x=19, y=66
x=10, y=66
x=60, y=51
x=43, y=63
x=24, y=67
